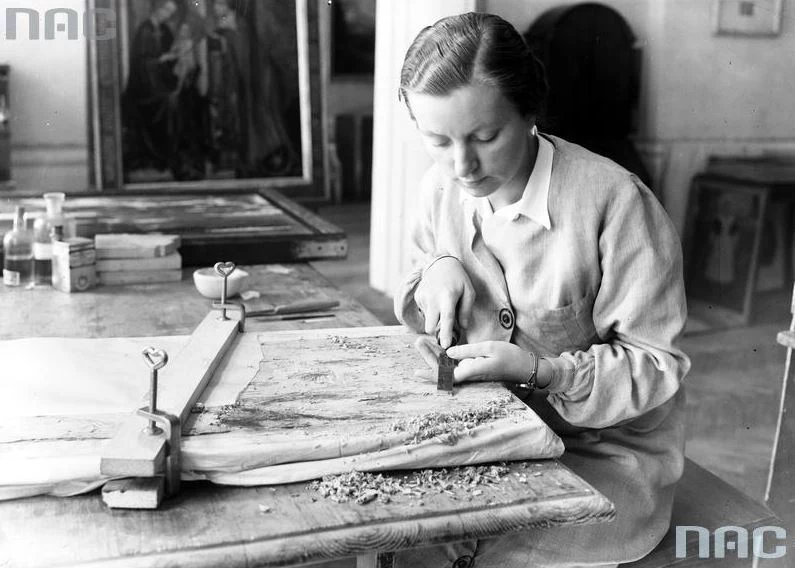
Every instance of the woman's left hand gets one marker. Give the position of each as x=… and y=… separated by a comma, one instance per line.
x=494, y=361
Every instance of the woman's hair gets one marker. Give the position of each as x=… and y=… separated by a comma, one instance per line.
x=479, y=47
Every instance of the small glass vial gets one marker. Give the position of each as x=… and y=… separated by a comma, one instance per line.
x=18, y=252
x=53, y=201
x=42, y=252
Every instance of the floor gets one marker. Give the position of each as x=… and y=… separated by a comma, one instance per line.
x=733, y=387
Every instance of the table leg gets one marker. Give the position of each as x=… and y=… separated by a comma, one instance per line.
x=375, y=560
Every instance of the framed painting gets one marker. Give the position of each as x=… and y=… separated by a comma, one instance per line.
x=748, y=17
x=723, y=239
x=209, y=95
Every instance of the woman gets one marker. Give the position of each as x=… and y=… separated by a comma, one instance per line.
x=558, y=270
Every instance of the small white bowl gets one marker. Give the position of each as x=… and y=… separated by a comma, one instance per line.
x=209, y=283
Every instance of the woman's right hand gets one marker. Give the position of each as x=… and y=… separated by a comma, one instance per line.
x=445, y=287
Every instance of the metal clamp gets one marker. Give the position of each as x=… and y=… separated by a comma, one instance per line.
x=156, y=359
x=226, y=269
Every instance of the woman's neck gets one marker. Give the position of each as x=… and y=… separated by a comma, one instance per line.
x=512, y=191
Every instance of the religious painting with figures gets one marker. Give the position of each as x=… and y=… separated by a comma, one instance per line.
x=211, y=90
x=215, y=93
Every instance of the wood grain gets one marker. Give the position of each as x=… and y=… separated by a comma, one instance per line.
x=166, y=309
x=210, y=526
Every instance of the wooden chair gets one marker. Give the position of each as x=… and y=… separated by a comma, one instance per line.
x=704, y=500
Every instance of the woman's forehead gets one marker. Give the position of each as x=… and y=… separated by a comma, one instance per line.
x=465, y=109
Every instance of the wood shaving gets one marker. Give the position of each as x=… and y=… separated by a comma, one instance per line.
x=363, y=488
x=450, y=426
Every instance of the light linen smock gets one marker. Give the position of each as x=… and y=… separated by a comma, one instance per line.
x=586, y=270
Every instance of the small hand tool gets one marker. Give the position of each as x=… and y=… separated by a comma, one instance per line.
x=444, y=378
x=295, y=308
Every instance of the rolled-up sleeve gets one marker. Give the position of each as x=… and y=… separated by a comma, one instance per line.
x=639, y=312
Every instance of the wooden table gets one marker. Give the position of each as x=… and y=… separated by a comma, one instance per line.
x=210, y=526
x=167, y=309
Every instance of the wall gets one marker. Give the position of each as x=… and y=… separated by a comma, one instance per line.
x=49, y=145
x=702, y=94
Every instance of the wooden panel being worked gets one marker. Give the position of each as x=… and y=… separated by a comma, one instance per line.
x=322, y=402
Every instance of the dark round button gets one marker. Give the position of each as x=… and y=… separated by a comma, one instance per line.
x=506, y=318
x=463, y=562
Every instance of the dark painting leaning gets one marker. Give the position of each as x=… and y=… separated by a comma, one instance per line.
x=211, y=90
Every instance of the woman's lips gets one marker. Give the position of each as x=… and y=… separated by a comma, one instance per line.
x=472, y=183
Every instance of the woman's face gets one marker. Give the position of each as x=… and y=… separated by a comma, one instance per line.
x=477, y=138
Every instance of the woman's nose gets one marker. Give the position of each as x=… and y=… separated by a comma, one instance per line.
x=465, y=161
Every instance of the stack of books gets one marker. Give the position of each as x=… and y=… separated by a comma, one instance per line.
x=138, y=259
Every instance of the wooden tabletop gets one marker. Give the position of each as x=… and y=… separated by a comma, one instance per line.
x=209, y=525
x=147, y=310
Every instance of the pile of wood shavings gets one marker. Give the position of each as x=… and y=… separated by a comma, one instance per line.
x=450, y=425
x=347, y=343
x=362, y=488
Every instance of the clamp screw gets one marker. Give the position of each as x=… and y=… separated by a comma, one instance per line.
x=225, y=269
x=155, y=359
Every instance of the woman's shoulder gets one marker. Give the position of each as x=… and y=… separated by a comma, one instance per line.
x=591, y=176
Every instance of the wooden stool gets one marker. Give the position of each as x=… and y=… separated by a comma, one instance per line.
x=704, y=500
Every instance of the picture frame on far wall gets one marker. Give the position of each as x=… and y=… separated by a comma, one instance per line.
x=209, y=95
x=755, y=18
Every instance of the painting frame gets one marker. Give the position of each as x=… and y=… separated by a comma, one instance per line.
x=106, y=71
x=747, y=18
x=722, y=248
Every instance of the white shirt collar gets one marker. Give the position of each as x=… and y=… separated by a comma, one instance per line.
x=534, y=202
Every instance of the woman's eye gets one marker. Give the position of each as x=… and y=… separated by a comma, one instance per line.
x=486, y=137
x=437, y=143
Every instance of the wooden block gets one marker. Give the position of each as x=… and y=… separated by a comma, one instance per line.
x=139, y=277
x=171, y=262
x=134, y=493
x=181, y=382
x=127, y=245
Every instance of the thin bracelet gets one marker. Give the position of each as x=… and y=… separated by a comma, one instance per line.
x=434, y=261
x=530, y=383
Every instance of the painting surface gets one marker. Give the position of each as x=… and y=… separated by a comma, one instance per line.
x=210, y=90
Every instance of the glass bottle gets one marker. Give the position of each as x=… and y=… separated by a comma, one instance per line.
x=42, y=252
x=18, y=252
x=53, y=201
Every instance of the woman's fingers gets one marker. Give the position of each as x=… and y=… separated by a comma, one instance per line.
x=429, y=350
x=446, y=322
x=482, y=349
x=431, y=319
x=465, y=307
x=478, y=368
